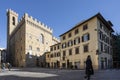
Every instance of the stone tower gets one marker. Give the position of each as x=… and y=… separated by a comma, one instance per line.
x=12, y=21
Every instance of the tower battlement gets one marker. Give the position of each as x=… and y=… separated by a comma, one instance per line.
x=30, y=19
x=56, y=39
x=12, y=20
x=12, y=12
x=35, y=22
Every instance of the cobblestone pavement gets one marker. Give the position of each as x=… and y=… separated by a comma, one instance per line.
x=56, y=74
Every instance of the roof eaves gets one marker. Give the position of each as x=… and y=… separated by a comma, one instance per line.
x=80, y=23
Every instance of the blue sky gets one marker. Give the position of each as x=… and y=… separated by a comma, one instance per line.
x=60, y=15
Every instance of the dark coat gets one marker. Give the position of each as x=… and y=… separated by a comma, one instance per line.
x=89, y=67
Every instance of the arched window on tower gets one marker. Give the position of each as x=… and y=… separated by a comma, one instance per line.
x=42, y=38
x=13, y=19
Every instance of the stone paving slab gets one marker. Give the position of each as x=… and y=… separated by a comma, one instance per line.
x=56, y=74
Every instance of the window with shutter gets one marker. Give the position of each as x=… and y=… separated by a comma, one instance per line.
x=85, y=37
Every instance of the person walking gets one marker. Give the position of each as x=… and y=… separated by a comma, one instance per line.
x=89, y=68
x=3, y=67
x=9, y=66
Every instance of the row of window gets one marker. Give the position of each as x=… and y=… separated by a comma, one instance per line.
x=38, y=49
x=70, y=51
x=85, y=27
x=55, y=48
x=104, y=48
x=41, y=38
x=76, y=41
x=103, y=27
x=55, y=55
x=103, y=37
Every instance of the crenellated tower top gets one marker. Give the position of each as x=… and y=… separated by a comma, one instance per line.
x=12, y=12
x=12, y=21
x=35, y=22
x=56, y=39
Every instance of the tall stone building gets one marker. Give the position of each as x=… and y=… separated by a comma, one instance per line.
x=89, y=37
x=27, y=40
